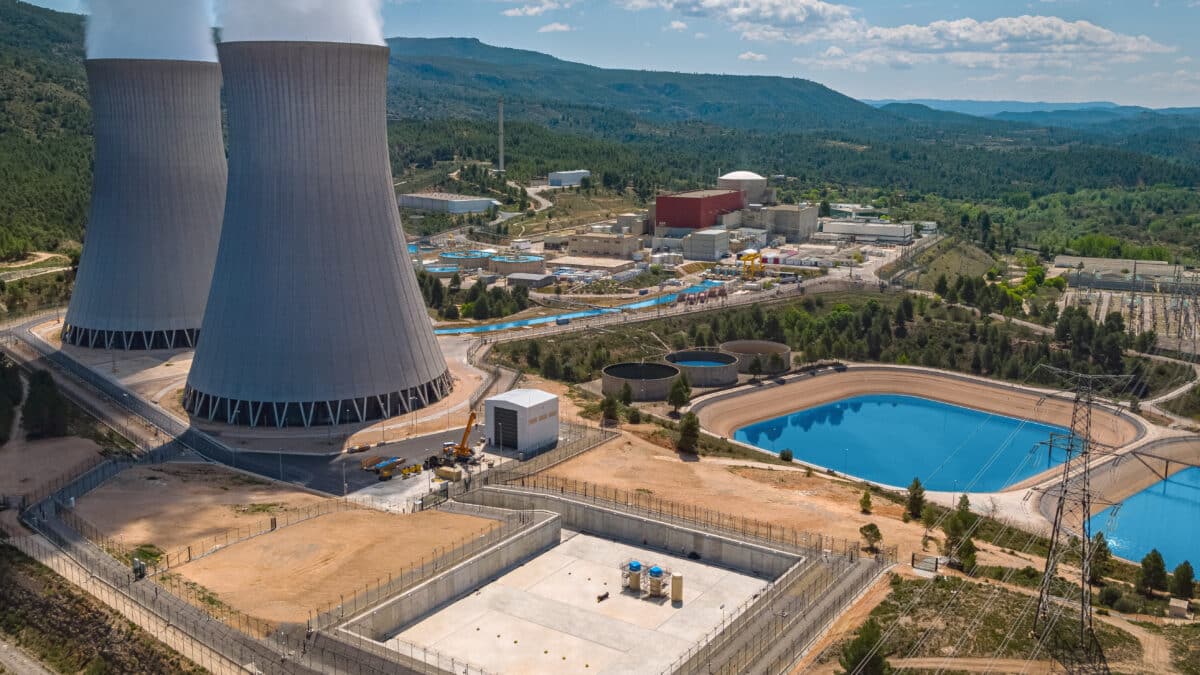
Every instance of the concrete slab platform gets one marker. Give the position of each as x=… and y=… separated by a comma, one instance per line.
x=544, y=617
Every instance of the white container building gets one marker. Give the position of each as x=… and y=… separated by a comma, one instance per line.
x=524, y=420
x=568, y=178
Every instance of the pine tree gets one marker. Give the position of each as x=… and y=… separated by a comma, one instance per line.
x=627, y=394
x=1101, y=559
x=680, y=394
x=864, y=504
x=1183, y=581
x=916, y=498
x=1153, y=575
x=689, y=433
x=871, y=534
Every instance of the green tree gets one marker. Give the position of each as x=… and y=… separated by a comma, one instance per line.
x=756, y=367
x=864, y=502
x=533, y=354
x=864, y=654
x=966, y=556
x=626, y=394
x=929, y=518
x=481, y=310
x=942, y=285
x=1101, y=559
x=1153, y=575
x=552, y=367
x=610, y=409
x=44, y=414
x=689, y=433
x=786, y=455
x=871, y=534
x=450, y=312
x=916, y=498
x=680, y=393
x=1183, y=581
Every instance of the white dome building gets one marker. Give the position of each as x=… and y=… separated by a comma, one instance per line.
x=751, y=184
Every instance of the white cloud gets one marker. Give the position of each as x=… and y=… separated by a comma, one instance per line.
x=555, y=27
x=537, y=8
x=752, y=56
x=701, y=36
x=677, y=26
x=1005, y=43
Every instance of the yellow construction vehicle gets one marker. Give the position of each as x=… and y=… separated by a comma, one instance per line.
x=461, y=451
x=752, y=265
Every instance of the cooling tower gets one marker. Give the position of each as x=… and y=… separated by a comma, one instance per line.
x=314, y=316
x=158, y=196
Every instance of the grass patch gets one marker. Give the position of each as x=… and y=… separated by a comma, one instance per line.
x=968, y=619
x=147, y=553
x=265, y=507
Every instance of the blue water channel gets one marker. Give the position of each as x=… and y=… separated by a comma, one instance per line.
x=1165, y=516
x=891, y=439
x=572, y=316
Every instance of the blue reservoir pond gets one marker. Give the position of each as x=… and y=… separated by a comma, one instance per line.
x=584, y=314
x=890, y=439
x=1158, y=517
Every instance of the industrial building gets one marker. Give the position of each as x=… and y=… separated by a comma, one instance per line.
x=604, y=244
x=854, y=211
x=709, y=245
x=441, y=202
x=527, y=280
x=752, y=186
x=158, y=197
x=877, y=232
x=796, y=223
x=568, y=178
x=524, y=420
x=695, y=210
x=287, y=342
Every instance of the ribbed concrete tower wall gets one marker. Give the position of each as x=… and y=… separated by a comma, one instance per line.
x=314, y=316
x=158, y=196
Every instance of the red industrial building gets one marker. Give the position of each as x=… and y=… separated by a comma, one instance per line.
x=696, y=210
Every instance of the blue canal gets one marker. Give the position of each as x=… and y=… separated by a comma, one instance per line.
x=1161, y=516
x=572, y=316
x=891, y=439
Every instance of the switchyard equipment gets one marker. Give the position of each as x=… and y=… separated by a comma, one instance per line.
x=158, y=195
x=525, y=420
x=315, y=316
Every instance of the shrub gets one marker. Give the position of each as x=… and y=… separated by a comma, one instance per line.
x=786, y=455
x=689, y=433
x=634, y=416
x=1126, y=605
x=1109, y=595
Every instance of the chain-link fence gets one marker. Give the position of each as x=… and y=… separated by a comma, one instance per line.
x=746, y=529
x=443, y=558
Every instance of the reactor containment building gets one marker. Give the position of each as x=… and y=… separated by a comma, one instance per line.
x=158, y=196
x=314, y=317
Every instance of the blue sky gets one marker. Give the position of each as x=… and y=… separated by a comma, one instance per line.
x=1139, y=52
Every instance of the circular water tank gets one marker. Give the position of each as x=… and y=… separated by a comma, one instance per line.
x=513, y=264
x=649, y=381
x=751, y=184
x=765, y=351
x=706, y=369
x=466, y=260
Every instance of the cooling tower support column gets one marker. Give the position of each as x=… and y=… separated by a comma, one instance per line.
x=315, y=316
x=158, y=195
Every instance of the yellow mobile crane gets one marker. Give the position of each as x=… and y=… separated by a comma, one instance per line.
x=460, y=451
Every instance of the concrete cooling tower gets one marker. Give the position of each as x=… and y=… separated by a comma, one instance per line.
x=314, y=316
x=158, y=196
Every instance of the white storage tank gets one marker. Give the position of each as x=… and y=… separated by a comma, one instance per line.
x=524, y=420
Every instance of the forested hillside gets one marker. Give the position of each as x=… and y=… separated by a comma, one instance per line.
x=45, y=144
x=652, y=131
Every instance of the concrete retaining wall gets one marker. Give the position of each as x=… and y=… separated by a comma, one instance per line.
x=713, y=549
x=385, y=621
x=747, y=351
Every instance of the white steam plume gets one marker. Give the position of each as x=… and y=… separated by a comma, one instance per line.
x=177, y=30
x=350, y=21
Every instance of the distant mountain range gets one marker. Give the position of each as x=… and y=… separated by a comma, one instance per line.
x=1070, y=115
